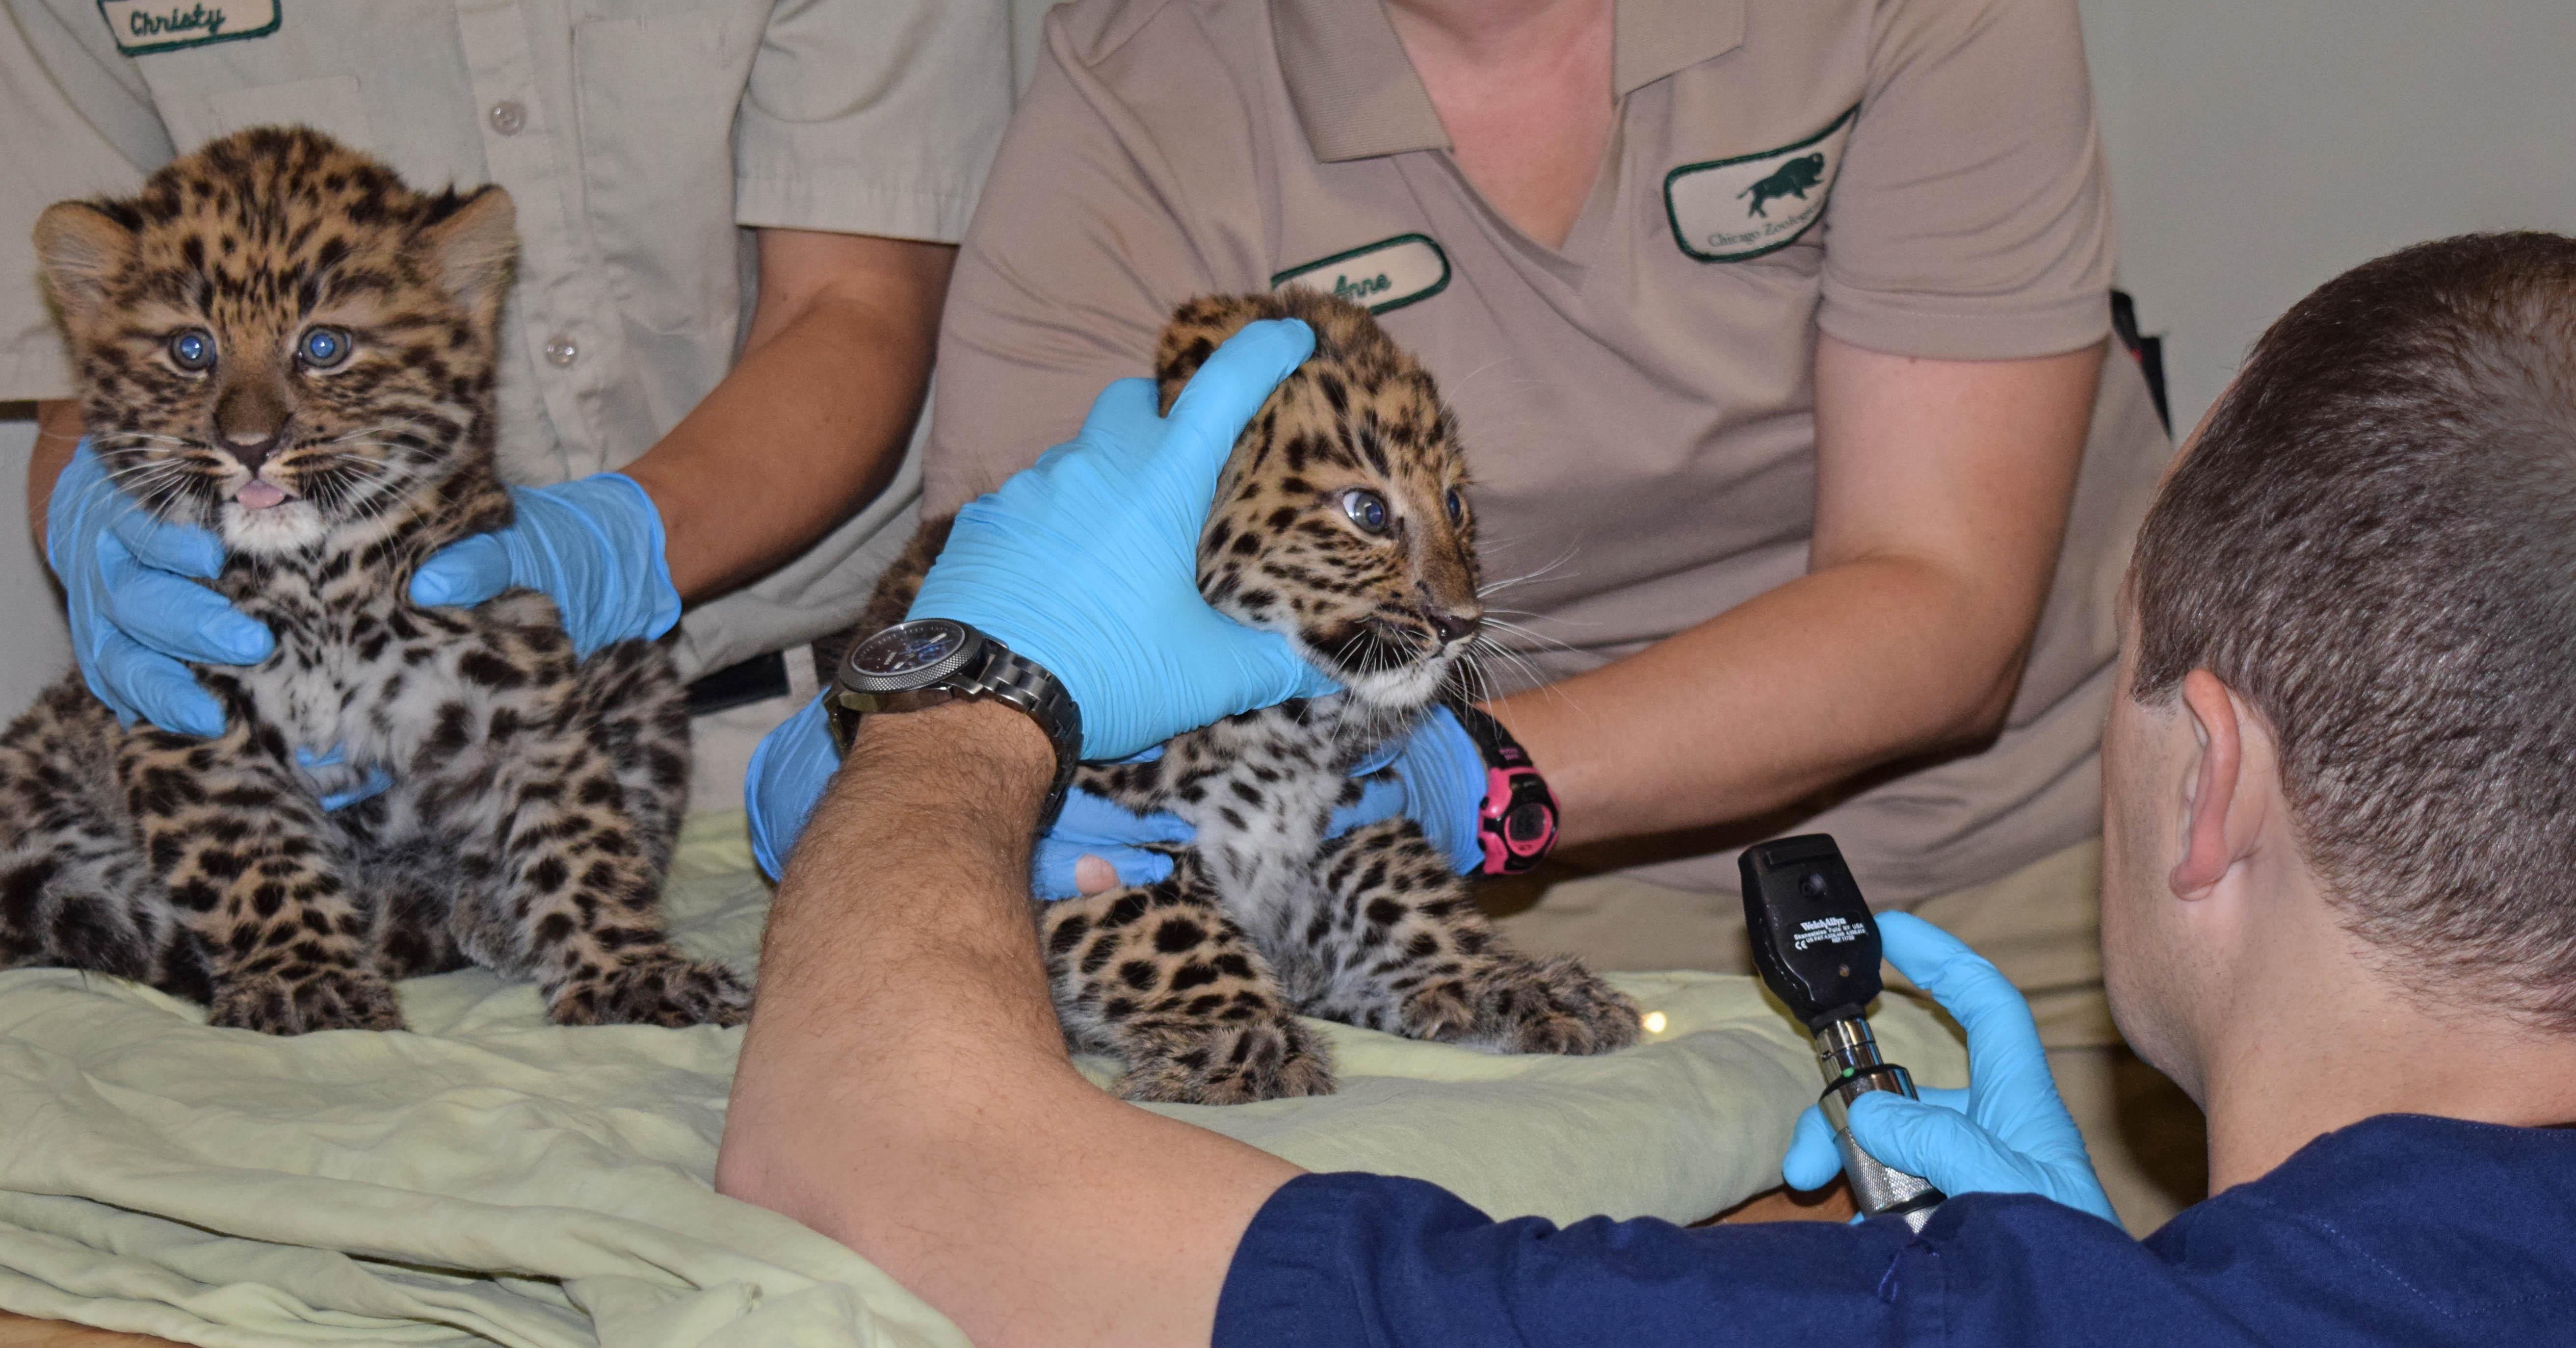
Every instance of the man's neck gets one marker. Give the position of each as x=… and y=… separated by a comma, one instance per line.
x=2310, y=1049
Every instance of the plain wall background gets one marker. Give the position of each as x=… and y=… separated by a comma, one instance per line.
x=2256, y=149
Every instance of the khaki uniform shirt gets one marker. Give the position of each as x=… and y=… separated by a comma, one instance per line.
x=1913, y=176
x=636, y=138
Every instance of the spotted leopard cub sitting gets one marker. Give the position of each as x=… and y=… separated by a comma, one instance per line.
x=281, y=342
x=1341, y=523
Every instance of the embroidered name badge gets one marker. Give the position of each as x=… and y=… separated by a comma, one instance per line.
x=1389, y=274
x=141, y=27
x=1727, y=210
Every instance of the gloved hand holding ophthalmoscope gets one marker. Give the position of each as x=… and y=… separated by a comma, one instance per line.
x=1818, y=948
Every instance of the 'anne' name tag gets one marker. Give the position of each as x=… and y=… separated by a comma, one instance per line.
x=141, y=27
x=1389, y=274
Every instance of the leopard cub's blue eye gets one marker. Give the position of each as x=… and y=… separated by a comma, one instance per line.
x=1457, y=506
x=192, y=350
x=1367, y=509
x=323, y=348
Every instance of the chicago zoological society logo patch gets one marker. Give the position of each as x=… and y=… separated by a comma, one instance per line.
x=1727, y=210
x=1388, y=274
x=141, y=27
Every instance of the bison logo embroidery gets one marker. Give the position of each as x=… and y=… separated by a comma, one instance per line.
x=1793, y=180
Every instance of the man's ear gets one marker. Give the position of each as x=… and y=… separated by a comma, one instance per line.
x=474, y=248
x=81, y=250
x=2217, y=825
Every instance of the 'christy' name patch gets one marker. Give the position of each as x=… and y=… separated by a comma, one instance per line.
x=141, y=27
x=1388, y=274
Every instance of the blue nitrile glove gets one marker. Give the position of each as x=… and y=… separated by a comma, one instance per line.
x=2006, y=1133
x=789, y=769
x=1087, y=561
x=1436, y=778
x=594, y=545
x=134, y=613
x=376, y=783
x=1096, y=826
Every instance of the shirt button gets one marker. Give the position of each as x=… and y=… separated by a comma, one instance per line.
x=561, y=352
x=509, y=116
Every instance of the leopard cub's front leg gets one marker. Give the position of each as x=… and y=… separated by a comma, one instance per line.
x=1408, y=951
x=253, y=868
x=1160, y=977
x=589, y=806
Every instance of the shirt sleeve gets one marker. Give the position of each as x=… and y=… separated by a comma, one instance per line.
x=78, y=127
x=872, y=117
x=1369, y=1260
x=1082, y=245
x=1972, y=219
x=1382, y=1262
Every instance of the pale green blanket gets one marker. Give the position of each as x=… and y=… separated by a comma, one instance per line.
x=490, y=1177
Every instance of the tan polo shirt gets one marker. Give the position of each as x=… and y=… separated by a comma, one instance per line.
x=1913, y=176
x=637, y=139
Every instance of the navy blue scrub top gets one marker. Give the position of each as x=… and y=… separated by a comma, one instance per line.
x=2401, y=1229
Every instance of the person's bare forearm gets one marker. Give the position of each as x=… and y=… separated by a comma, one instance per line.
x=812, y=421
x=904, y=1086
x=1941, y=501
x=58, y=431
x=1773, y=700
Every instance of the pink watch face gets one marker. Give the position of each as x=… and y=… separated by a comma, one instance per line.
x=1517, y=823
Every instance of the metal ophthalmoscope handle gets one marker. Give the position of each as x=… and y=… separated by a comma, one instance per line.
x=1849, y=1054
x=1817, y=949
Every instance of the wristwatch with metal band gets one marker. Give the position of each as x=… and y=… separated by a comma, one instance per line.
x=929, y=661
x=1516, y=825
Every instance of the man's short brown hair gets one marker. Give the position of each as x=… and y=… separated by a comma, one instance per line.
x=2374, y=543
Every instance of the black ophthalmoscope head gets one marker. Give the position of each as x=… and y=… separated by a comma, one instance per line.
x=1817, y=947
x=1813, y=940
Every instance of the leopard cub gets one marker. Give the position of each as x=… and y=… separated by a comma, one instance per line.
x=279, y=341
x=1340, y=522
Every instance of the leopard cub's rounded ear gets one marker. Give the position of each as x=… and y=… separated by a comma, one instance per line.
x=81, y=249
x=473, y=241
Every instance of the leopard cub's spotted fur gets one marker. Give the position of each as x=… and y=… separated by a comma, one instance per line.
x=1340, y=523
x=534, y=796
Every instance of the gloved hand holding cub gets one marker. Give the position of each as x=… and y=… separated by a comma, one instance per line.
x=1087, y=564
x=137, y=612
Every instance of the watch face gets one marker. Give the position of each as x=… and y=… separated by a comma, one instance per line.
x=908, y=654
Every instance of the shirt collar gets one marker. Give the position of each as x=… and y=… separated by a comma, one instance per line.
x=1357, y=96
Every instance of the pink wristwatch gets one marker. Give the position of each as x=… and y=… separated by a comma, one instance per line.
x=1516, y=824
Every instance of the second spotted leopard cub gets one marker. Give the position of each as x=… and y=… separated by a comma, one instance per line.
x=279, y=341
x=1341, y=523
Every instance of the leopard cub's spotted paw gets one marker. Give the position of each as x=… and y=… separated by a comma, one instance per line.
x=324, y=999
x=657, y=989
x=1201, y=1062
x=1524, y=1006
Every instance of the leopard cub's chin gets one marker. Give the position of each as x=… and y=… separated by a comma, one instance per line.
x=290, y=526
x=1403, y=688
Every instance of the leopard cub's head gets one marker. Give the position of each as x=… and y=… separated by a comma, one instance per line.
x=1341, y=521
x=277, y=337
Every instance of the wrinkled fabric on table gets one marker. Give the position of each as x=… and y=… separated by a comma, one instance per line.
x=488, y=1177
